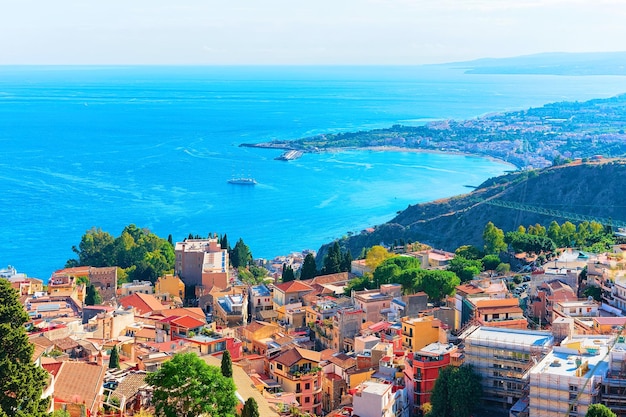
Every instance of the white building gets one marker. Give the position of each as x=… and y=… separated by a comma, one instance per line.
x=504, y=358
x=376, y=399
x=143, y=287
x=569, y=378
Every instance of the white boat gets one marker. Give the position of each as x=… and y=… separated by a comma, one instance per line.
x=242, y=181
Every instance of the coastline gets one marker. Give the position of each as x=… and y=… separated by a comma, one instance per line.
x=285, y=145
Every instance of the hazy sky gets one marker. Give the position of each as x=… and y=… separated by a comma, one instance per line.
x=301, y=32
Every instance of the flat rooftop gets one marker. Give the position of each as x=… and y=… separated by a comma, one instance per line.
x=562, y=361
x=486, y=335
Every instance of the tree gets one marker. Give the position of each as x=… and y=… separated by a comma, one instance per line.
x=346, y=262
x=465, y=269
x=309, y=269
x=62, y=413
x=186, y=386
x=469, y=252
x=455, y=392
x=21, y=380
x=386, y=273
x=93, y=296
x=95, y=248
x=114, y=359
x=599, y=410
x=438, y=284
x=490, y=262
x=250, y=408
x=494, y=239
x=287, y=274
x=594, y=292
x=332, y=260
x=240, y=255
x=227, y=364
x=375, y=256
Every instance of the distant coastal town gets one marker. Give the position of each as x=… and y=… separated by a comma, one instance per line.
x=533, y=138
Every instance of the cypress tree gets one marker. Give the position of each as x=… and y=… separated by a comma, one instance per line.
x=309, y=269
x=93, y=296
x=21, y=380
x=227, y=364
x=250, y=408
x=287, y=274
x=114, y=359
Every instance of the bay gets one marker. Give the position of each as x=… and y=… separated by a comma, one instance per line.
x=155, y=146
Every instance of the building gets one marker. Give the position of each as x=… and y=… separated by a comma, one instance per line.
x=170, y=284
x=614, y=383
x=421, y=369
x=375, y=303
x=499, y=312
x=376, y=399
x=290, y=292
x=504, y=357
x=546, y=295
x=569, y=378
x=105, y=281
x=334, y=380
x=143, y=287
x=478, y=288
x=260, y=299
x=231, y=309
x=202, y=262
x=298, y=370
x=346, y=324
x=418, y=332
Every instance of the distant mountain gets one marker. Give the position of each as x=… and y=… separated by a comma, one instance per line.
x=556, y=63
x=586, y=189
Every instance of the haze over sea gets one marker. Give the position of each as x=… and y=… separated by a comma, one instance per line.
x=155, y=146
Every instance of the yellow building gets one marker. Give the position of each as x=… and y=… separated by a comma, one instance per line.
x=418, y=332
x=170, y=284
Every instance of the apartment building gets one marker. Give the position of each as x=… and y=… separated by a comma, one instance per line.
x=568, y=380
x=202, y=262
x=504, y=357
x=298, y=370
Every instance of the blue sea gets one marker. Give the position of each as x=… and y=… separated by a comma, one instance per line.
x=155, y=146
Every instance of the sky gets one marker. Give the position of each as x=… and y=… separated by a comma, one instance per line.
x=292, y=32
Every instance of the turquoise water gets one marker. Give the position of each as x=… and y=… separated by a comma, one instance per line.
x=155, y=146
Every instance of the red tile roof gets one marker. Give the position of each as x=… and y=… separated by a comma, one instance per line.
x=293, y=286
x=188, y=322
x=78, y=382
x=194, y=312
x=143, y=303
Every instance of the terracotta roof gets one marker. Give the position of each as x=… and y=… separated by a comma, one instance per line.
x=146, y=333
x=66, y=343
x=310, y=354
x=610, y=321
x=194, y=312
x=267, y=314
x=52, y=367
x=79, y=382
x=496, y=302
x=254, y=326
x=328, y=279
x=188, y=322
x=293, y=286
x=129, y=386
x=469, y=289
x=143, y=303
x=41, y=340
x=288, y=357
x=342, y=360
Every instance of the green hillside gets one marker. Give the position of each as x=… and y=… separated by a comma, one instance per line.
x=585, y=189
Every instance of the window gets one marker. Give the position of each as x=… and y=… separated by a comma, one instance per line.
x=307, y=385
x=298, y=388
x=279, y=366
x=307, y=399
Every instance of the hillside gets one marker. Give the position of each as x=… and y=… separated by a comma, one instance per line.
x=590, y=189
